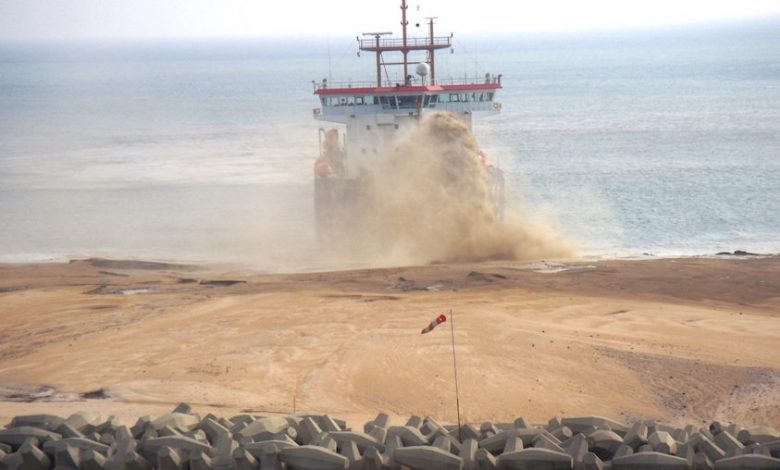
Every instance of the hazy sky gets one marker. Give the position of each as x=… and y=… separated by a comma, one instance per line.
x=77, y=19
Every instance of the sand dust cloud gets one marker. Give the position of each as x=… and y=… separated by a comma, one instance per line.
x=430, y=201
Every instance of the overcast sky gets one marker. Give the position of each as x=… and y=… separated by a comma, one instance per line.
x=80, y=19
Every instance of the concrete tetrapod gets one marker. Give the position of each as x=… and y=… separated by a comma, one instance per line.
x=467, y=431
x=727, y=442
x=543, y=441
x=258, y=448
x=604, y=443
x=65, y=430
x=427, y=458
x=636, y=436
x=591, y=461
x=264, y=428
x=187, y=444
x=67, y=457
x=91, y=460
x=662, y=442
x=244, y=460
x=700, y=461
x=373, y=460
x=309, y=430
x=130, y=460
x=379, y=433
x=758, y=435
x=495, y=442
x=350, y=450
x=409, y=435
x=362, y=440
x=649, y=461
x=583, y=423
x=468, y=453
x=269, y=459
x=312, y=458
x=486, y=460
x=706, y=445
x=33, y=458
x=535, y=459
x=169, y=459
x=51, y=447
x=81, y=419
x=199, y=460
x=17, y=436
x=179, y=421
x=747, y=462
x=43, y=421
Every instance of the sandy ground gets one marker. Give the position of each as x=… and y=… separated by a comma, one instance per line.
x=681, y=340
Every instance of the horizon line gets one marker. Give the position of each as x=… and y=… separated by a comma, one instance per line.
x=552, y=32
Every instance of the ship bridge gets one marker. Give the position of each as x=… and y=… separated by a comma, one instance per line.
x=346, y=101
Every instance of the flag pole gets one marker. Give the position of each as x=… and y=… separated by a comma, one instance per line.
x=455, y=369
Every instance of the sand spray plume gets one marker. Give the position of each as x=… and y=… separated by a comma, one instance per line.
x=429, y=201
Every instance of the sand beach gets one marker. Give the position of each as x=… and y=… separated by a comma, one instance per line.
x=686, y=340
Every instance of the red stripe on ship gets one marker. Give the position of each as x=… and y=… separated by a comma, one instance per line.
x=406, y=89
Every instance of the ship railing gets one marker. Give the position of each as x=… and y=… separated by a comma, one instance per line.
x=438, y=42
x=488, y=78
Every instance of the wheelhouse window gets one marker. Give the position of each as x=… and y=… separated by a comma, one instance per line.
x=388, y=102
x=408, y=102
x=348, y=100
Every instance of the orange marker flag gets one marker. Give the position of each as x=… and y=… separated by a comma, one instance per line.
x=436, y=322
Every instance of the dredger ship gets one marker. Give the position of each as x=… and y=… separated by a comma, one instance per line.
x=374, y=113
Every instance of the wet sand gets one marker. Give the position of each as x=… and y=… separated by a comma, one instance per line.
x=681, y=340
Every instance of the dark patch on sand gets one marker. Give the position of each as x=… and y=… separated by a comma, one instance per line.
x=47, y=393
x=485, y=277
x=99, y=394
x=618, y=312
x=102, y=307
x=377, y=298
x=221, y=282
x=41, y=393
x=360, y=297
x=109, y=273
x=737, y=253
x=132, y=264
x=13, y=289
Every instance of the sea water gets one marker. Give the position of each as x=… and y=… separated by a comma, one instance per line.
x=654, y=141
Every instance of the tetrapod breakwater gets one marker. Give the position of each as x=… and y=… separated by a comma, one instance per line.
x=183, y=439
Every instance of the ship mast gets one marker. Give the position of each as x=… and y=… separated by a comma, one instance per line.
x=375, y=43
x=431, y=61
x=404, y=23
